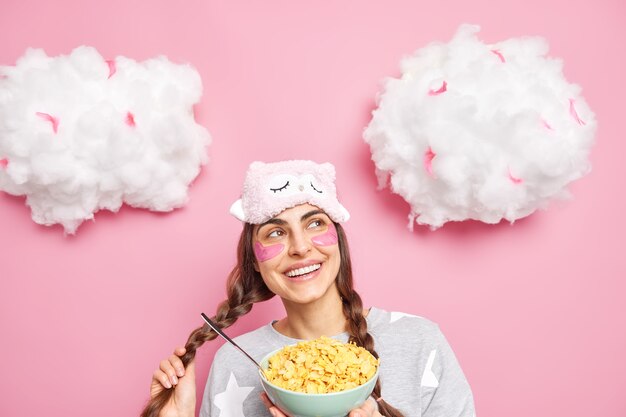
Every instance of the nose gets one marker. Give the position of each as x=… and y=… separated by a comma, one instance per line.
x=299, y=244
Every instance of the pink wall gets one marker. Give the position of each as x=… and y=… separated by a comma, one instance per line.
x=535, y=311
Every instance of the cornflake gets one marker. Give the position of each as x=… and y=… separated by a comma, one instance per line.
x=321, y=366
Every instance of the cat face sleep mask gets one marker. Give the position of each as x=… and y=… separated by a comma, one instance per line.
x=270, y=188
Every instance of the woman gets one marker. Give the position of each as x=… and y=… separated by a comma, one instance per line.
x=293, y=246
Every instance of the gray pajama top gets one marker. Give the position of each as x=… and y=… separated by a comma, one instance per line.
x=419, y=372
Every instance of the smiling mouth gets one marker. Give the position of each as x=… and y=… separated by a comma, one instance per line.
x=294, y=273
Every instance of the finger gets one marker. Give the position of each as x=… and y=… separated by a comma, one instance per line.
x=266, y=401
x=180, y=351
x=357, y=412
x=275, y=411
x=370, y=406
x=168, y=369
x=365, y=410
x=178, y=366
x=162, y=378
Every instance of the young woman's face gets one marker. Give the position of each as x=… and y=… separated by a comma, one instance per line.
x=298, y=254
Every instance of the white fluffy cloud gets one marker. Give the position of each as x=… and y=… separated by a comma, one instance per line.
x=79, y=134
x=477, y=131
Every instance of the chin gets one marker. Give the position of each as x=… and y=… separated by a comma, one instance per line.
x=307, y=297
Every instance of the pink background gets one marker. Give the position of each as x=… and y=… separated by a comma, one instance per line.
x=535, y=312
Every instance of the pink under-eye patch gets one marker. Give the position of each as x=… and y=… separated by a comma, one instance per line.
x=265, y=253
x=326, y=239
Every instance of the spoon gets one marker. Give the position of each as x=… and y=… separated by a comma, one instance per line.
x=219, y=331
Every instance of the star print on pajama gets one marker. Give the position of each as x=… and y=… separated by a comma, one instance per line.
x=396, y=315
x=429, y=379
x=230, y=402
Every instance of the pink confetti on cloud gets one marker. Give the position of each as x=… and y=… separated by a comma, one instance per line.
x=572, y=111
x=51, y=119
x=546, y=124
x=428, y=161
x=112, y=67
x=498, y=54
x=130, y=119
x=514, y=179
x=442, y=89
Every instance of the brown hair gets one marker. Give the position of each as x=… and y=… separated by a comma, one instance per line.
x=245, y=287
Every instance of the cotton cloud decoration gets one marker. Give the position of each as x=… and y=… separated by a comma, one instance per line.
x=477, y=131
x=79, y=134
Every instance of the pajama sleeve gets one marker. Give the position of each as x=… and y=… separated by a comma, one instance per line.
x=445, y=391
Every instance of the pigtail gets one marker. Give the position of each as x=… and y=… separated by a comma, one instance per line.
x=357, y=325
x=244, y=288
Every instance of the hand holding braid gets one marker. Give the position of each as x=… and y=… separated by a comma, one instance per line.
x=172, y=373
x=181, y=401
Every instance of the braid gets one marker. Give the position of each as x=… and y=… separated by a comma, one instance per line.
x=244, y=288
x=357, y=325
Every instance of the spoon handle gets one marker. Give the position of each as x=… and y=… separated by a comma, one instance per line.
x=228, y=339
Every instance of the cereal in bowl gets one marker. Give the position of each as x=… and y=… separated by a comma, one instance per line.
x=321, y=366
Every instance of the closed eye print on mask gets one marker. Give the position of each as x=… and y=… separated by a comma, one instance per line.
x=287, y=184
x=312, y=186
x=280, y=188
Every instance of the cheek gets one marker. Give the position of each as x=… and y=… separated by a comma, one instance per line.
x=326, y=239
x=265, y=253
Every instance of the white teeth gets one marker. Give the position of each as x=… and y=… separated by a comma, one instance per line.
x=302, y=271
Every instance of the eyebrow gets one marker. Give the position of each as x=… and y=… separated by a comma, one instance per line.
x=311, y=213
x=281, y=222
